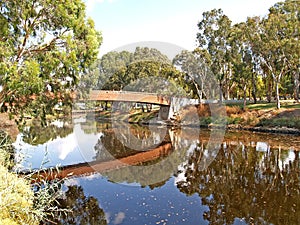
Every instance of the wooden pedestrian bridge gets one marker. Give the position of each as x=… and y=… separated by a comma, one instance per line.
x=129, y=96
x=169, y=105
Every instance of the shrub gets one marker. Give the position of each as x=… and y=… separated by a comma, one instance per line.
x=6, y=150
x=19, y=203
x=16, y=200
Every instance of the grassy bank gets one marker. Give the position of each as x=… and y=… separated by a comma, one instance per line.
x=16, y=195
x=21, y=200
x=263, y=116
x=134, y=116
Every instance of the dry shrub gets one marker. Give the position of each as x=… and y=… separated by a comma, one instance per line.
x=230, y=110
x=186, y=113
x=204, y=110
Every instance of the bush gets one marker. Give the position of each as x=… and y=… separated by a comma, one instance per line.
x=19, y=204
x=16, y=200
x=6, y=150
x=16, y=196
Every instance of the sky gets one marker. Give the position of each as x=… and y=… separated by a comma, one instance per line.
x=123, y=22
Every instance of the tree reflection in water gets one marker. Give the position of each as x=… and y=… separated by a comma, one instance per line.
x=37, y=134
x=245, y=183
x=79, y=209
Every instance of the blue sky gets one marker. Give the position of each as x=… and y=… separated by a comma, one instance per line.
x=174, y=21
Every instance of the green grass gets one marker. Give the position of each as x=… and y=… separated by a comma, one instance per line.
x=280, y=122
x=285, y=104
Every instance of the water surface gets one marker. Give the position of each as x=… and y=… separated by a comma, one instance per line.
x=131, y=174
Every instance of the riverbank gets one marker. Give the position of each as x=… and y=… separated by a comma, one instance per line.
x=263, y=117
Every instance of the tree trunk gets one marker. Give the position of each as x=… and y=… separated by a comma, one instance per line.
x=296, y=86
x=254, y=87
x=277, y=94
x=220, y=94
x=199, y=92
x=245, y=97
x=269, y=94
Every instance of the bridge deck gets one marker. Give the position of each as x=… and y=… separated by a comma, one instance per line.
x=128, y=96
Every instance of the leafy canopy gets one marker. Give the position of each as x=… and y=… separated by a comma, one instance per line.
x=46, y=46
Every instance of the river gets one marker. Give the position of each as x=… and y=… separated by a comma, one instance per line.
x=120, y=173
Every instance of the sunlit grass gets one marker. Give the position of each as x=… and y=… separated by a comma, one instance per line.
x=285, y=104
x=20, y=201
x=16, y=195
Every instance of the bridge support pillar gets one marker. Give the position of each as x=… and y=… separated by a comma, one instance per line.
x=164, y=112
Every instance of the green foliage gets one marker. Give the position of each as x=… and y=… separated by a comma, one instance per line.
x=260, y=56
x=213, y=34
x=198, y=76
x=45, y=48
x=6, y=150
x=145, y=70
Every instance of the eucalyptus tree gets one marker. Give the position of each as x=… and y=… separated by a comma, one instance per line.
x=213, y=36
x=287, y=13
x=241, y=58
x=196, y=67
x=45, y=47
x=144, y=70
x=150, y=54
x=272, y=50
x=110, y=64
x=276, y=43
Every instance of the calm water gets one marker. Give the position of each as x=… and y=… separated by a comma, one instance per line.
x=130, y=174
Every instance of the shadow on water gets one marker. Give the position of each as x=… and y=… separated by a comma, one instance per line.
x=182, y=177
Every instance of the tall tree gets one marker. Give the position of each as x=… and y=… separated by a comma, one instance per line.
x=150, y=54
x=196, y=66
x=288, y=13
x=213, y=33
x=111, y=63
x=276, y=43
x=146, y=70
x=45, y=47
x=241, y=58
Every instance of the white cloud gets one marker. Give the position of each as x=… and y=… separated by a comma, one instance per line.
x=64, y=146
x=119, y=218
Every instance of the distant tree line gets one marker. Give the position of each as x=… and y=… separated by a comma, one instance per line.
x=255, y=59
x=48, y=50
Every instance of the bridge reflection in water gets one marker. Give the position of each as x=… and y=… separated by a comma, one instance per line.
x=188, y=176
x=156, y=150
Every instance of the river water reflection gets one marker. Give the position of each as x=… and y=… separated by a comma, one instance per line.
x=131, y=174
